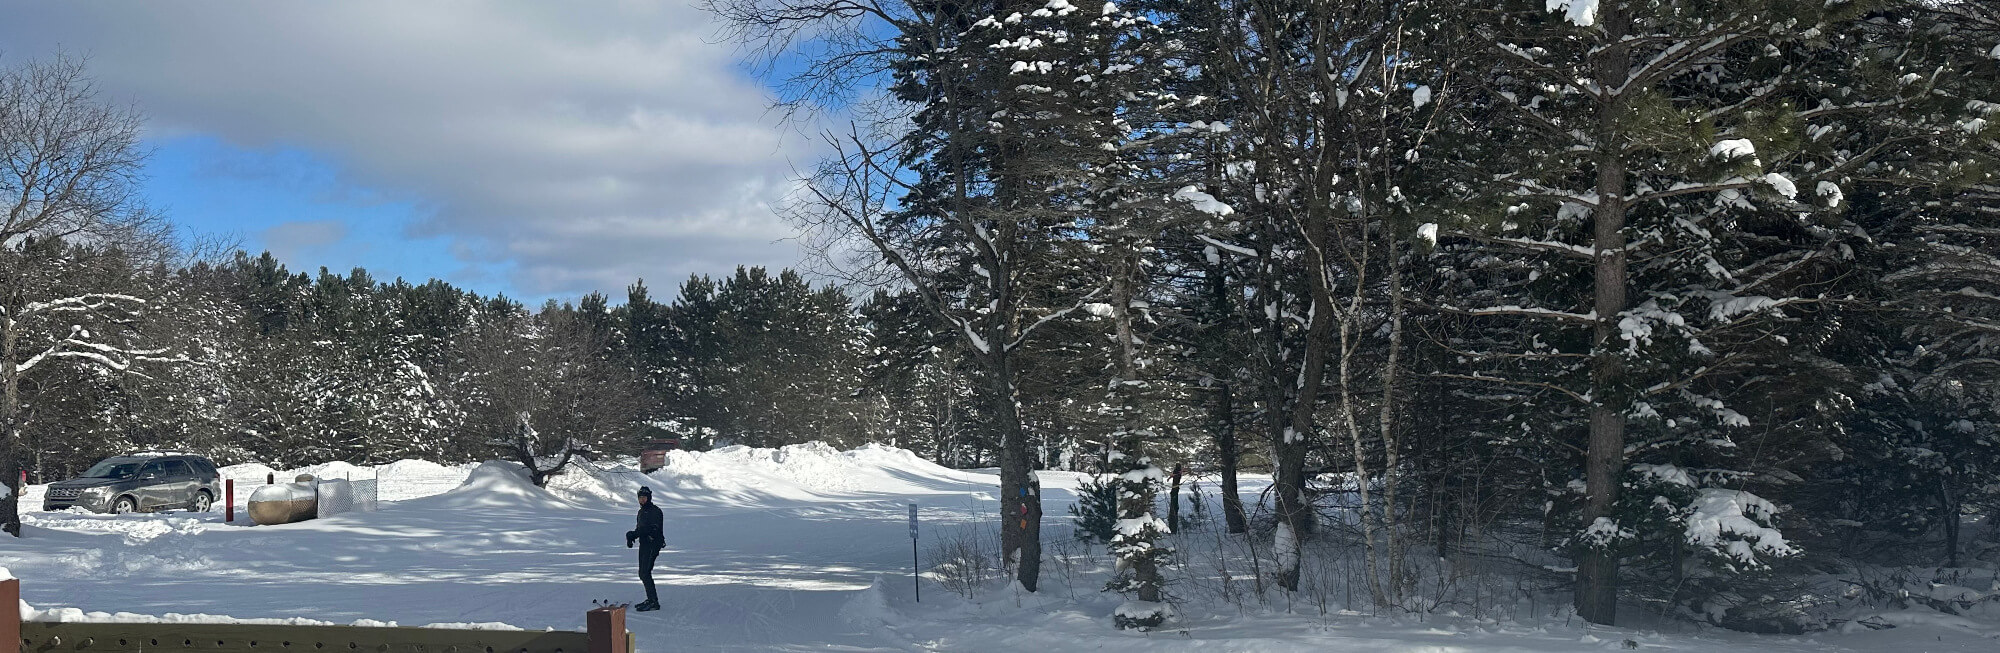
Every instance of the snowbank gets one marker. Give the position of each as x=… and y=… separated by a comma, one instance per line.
x=499, y=484
x=398, y=481
x=409, y=467
x=132, y=529
x=248, y=473
x=335, y=469
x=76, y=615
x=584, y=481
x=809, y=470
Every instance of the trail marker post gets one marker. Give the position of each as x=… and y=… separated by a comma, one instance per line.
x=916, y=581
x=10, y=616
x=229, y=500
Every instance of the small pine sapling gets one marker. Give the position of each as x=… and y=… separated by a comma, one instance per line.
x=1096, y=509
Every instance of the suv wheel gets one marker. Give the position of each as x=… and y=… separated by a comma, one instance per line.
x=202, y=501
x=124, y=505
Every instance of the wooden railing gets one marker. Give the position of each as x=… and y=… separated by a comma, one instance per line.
x=606, y=634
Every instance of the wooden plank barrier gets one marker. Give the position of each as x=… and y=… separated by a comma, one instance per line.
x=607, y=633
x=40, y=637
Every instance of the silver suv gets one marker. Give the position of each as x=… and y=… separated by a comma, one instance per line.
x=139, y=483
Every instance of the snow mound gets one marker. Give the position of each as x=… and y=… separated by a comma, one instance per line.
x=335, y=469
x=807, y=470
x=132, y=529
x=870, y=607
x=410, y=467
x=78, y=615
x=498, y=484
x=247, y=473
x=583, y=481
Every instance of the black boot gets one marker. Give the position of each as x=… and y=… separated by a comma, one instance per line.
x=648, y=606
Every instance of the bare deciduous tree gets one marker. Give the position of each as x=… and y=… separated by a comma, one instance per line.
x=68, y=175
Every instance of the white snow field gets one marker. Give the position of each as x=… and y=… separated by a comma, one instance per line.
x=793, y=549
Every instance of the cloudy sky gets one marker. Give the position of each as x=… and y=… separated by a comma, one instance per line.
x=542, y=149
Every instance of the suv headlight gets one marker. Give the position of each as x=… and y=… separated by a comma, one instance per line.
x=95, y=492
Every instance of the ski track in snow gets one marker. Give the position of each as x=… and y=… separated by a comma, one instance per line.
x=799, y=548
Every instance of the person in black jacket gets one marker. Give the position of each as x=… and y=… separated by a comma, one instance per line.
x=651, y=536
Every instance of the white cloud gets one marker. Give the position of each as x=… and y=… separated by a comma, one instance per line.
x=580, y=145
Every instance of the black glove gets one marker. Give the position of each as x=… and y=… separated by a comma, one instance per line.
x=629, y=537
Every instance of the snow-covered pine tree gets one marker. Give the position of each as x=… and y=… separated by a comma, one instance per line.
x=1913, y=369
x=1091, y=82
x=1649, y=159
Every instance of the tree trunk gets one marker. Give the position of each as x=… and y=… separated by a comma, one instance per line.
x=1135, y=497
x=1288, y=451
x=1604, y=461
x=10, y=429
x=1174, y=499
x=1348, y=345
x=1223, y=413
x=1391, y=472
x=1020, y=493
x=1232, y=499
x=1295, y=510
x=1949, y=506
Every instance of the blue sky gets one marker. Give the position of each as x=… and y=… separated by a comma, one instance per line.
x=532, y=148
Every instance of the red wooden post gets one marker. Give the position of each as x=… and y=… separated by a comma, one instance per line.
x=10, y=616
x=606, y=628
x=229, y=500
x=270, y=478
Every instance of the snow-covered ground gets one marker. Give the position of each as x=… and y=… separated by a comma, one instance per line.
x=796, y=548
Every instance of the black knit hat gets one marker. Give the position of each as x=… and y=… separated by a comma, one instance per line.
x=646, y=492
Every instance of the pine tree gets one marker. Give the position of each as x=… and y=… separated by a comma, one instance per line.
x=1649, y=157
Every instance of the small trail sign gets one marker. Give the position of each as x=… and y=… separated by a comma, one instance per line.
x=915, y=580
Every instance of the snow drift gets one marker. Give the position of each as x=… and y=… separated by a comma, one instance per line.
x=809, y=471
x=497, y=484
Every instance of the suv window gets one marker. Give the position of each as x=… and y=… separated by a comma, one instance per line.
x=202, y=466
x=178, y=469
x=152, y=468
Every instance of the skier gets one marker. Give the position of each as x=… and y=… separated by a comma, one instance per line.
x=651, y=538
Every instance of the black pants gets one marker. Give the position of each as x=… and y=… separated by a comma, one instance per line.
x=647, y=554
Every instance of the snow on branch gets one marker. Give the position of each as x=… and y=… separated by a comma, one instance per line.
x=1524, y=311
x=77, y=345
x=1203, y=202
x=1529, y=188
x=1532, y=244
x=1724, y=307
x=1732, y=524
x=1733, y=183
x=1233, y=249
x=1023, y=337
x=79, y=303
